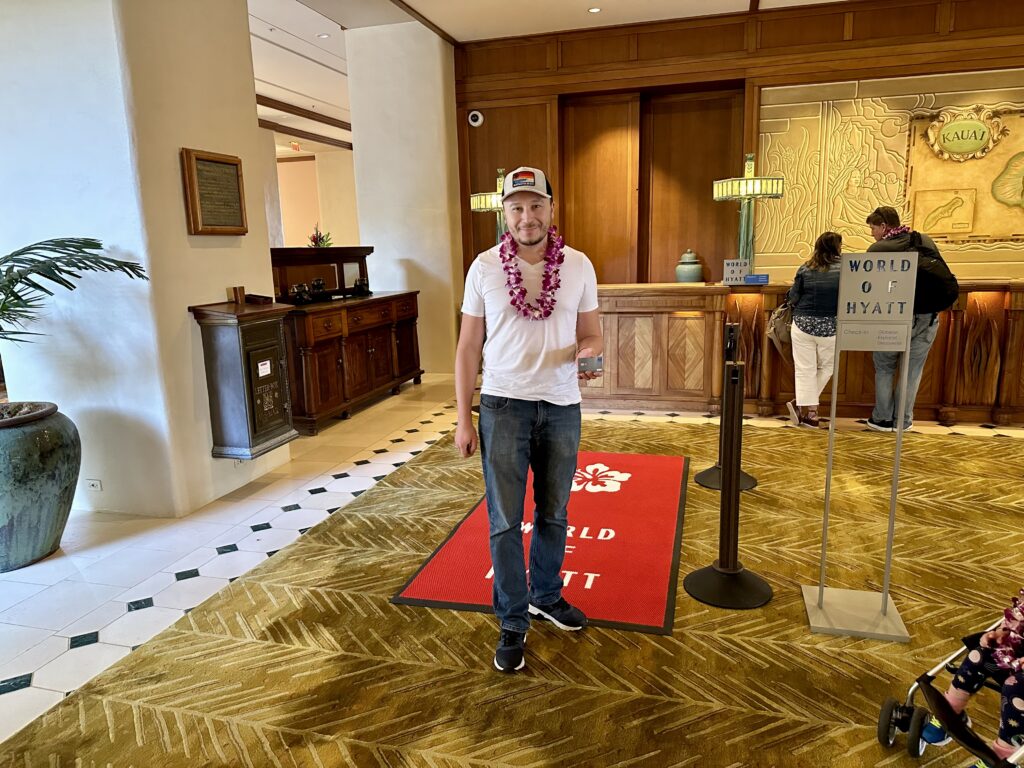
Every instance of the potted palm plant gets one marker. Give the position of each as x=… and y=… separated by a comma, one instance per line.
x=40, y=452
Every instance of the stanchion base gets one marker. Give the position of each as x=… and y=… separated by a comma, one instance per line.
x=728, y=590
x=855, y=613
x=712, y=478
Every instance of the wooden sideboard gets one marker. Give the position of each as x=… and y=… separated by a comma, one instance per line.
x=663, y=350
x=345, y=352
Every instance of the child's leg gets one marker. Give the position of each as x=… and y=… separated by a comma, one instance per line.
x=1011, y=721
x=968, y=679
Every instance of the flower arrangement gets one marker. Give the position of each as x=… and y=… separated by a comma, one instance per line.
x=319, y=239
x=554, y=255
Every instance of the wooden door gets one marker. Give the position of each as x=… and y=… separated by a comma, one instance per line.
x=690, y=140
x=357, y=364
x=324, y=377
x=380, y=360
x=601, y=161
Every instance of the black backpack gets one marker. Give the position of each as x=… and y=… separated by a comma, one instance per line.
x=937, y=288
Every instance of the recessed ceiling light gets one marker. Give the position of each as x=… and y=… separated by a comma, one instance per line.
x=593, y=10
x=323, y=35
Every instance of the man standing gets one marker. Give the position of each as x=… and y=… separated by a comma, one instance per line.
x=534, y=300
x=890, y=236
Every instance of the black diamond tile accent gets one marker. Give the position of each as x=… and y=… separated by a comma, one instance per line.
x=302, y=530
x=340, y=475
x=449, y=407
x=291, y=508
x=332, y=510
x=638, y=413
x=80, y=641
x=398, y=440
x=987, y=426
x=318, y=490
x=437, y=414
x=398, y=464
x=605, y=412
x=231, y=578
x=272, y=552
x=227, y=548
x=431, y=442
x=138, y=605
x=380, y=450
x=15, y=683
x=188, y=610
x=415, y=453
x=747, y=418
x=363, y=462
x=260, y=526
x=379, y=477
x=411, y=431
x=357, y=493
x=189, y=574
x=133, y=648
x=426, y=422
x=673, y=414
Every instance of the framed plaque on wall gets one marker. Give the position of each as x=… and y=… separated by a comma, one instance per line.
x=214, y=194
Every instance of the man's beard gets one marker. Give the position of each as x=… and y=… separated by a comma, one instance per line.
x=539, y=239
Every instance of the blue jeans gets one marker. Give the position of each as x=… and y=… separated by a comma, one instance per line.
x=515, y=436
x=922, y=335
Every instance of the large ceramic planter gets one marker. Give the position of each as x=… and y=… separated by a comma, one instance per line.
x=40, y=455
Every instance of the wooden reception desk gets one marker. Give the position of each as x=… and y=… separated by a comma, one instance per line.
x=663, y=350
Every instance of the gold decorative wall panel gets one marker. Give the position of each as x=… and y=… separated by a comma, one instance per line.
x=635, y=371
x=846, y=148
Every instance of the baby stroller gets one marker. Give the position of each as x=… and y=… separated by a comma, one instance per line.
x=912, y=719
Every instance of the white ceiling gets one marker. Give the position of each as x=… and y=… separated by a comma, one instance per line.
x=292, y=64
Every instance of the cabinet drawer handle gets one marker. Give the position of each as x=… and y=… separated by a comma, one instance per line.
x=328, y=324
x=356, y=319
x=385, y=312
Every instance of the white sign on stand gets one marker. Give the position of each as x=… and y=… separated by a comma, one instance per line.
x=734, y=270
x=875, y=314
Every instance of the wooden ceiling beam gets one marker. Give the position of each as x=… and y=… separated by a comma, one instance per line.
x=301, y=134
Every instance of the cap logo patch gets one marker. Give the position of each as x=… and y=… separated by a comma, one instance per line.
x=524, y=179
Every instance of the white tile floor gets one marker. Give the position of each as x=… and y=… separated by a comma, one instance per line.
x=118, y=580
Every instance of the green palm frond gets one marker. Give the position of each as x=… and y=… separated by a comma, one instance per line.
x=27, y=274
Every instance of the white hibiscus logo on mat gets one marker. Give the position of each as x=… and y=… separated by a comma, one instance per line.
x=598, y=478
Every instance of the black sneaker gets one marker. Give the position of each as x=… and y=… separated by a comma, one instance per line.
x=509, y=655
x=881, y=426
x=561, y=614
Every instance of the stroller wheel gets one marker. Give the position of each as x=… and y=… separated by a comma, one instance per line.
x=915, y=744
x=887, y=721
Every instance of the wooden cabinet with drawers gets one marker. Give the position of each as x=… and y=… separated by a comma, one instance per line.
x=345, y=352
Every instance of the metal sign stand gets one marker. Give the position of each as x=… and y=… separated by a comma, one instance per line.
x=852, y=612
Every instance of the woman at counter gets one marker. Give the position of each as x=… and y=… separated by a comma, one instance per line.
x=814, y=298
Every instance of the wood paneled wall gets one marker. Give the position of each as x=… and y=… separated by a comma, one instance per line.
x=689, y=140
x=518, y=84
x=514, y=133
x=807, y=44
x=600, y=168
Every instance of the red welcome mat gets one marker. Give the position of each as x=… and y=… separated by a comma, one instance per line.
x=622, y=547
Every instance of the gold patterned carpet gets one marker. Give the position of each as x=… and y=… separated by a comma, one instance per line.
x=304, y=662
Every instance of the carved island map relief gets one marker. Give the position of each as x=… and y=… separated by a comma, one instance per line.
x=945, y=211
x=1008, y=186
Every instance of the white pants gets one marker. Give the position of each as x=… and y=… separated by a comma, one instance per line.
x=812, y=362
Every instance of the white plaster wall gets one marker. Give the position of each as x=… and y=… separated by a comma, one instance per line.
x=300, y=203
x=68, y=171
x=336, y=182
x=189, y=83
x=402, y=92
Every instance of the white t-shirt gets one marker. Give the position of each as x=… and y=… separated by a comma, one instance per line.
x=530, y=359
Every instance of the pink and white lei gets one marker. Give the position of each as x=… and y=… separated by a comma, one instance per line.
x=892, y=232
x=553, y=258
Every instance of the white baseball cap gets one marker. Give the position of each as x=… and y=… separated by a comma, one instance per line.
x=526, y=179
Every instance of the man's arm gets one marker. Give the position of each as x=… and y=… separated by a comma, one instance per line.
x=467, y=364
x=589, y=340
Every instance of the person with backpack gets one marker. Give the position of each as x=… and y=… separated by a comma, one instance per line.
x=936, y=290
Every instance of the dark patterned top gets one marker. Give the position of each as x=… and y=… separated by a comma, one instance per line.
x=815, y=326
